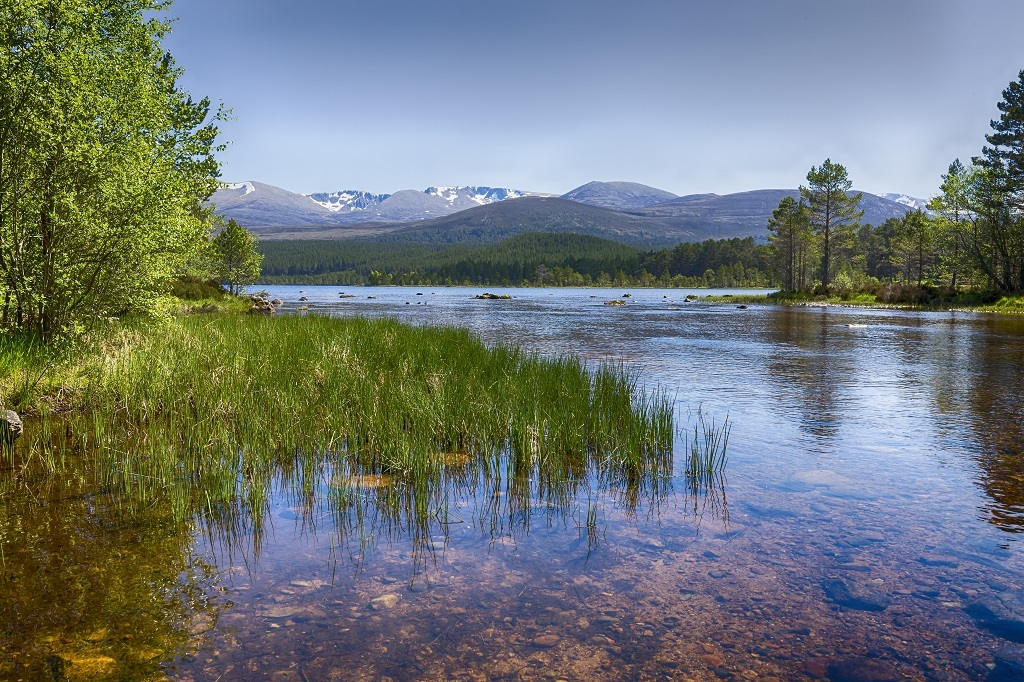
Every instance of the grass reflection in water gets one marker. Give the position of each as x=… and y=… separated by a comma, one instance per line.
x=370, y=429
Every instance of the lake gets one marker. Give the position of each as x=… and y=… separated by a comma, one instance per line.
x=866, y=523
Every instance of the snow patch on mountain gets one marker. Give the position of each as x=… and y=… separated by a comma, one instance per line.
x=912, y=202
x=347, y=200
x=405, y=204
x=246, y=186
x=477, y=195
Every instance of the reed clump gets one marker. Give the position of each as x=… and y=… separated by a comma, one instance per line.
x=708, y=449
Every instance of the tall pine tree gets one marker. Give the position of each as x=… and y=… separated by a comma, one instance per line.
x=790, y=241
x=833, y=211
x=1001, y=194
x=1006, y=155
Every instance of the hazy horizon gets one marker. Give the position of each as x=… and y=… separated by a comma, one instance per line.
x=544, y=97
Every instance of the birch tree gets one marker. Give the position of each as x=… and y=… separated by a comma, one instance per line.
x=104, y=162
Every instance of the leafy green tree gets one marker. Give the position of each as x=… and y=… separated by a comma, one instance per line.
x=996, y=239
x=104, y=162
x=238, y=260
x=875, y=244
x=833, y=211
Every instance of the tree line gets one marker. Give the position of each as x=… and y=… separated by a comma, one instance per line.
x=971, y=236
x=532, y=259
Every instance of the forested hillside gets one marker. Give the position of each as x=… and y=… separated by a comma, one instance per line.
x=528, y=259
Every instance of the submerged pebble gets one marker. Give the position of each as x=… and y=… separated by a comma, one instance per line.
x=854, y=595
x=386, y=601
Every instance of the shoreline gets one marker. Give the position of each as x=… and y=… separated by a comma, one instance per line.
x=1014, y=303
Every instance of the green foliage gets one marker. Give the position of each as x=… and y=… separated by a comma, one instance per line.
x=792, y=244
x=1005, y=158
x=953, y=215
x=996, y=196
x=913, y=248
x=190, y=288
x=238, y=261
x=832, y=212
x=104, y=161
x=185, y=406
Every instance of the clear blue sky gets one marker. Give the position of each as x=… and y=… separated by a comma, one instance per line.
x=711, y=96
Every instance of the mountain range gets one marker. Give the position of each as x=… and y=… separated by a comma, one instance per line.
x=255, y=204
x=624, y=211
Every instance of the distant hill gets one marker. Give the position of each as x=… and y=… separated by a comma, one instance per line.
x=305, y=258
x=481, y=215
x=255, y=204
x=532, y=258
x=619, y=196
x=495, y=222
x=746, y=213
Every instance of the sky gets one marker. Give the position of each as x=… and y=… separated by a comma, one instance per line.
x=691, y=97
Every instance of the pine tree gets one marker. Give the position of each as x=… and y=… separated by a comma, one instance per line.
x=913, y=249
x=1000, y=190
x=833, y=211
x=1006, y=155
x=953, y=206
x=790, y=241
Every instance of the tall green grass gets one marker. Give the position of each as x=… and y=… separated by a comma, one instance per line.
x=705, y=464
x=708, y=449
x=370, y=419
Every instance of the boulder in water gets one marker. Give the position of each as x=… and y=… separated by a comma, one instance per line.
x=11, y=427
x=1002, y=613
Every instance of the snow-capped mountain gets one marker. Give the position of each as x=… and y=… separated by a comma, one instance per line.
x=457, y=198
x=467, y=197
x=275, y=211
x=259, y=204
x=408, y=204
x=347, y=200
x=240, y=188
x=912, y=202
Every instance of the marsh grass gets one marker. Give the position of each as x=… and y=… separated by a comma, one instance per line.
x=376, y=424
x=25, y=365
x=704, y=470
x=708, y=452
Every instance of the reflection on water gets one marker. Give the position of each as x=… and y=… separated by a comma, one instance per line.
x=994, y=396
x=133, y=591
x=870, y=503
x=90, y=591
